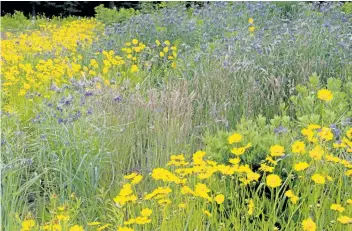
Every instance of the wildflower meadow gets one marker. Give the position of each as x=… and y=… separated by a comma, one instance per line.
x=178, y=116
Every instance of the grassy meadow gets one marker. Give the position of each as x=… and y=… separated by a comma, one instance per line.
x=217, y=116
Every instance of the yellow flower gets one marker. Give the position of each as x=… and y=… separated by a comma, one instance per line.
x=76, y=228
x=298, y=147
x=325, y=95
x=316, y=153
x=63, y=217
x=129, y=222
x=300, y=166
x=250, y=20
x=271, y=160
x=173, y=65
x=292, y=196
x=250, y=207
x=28, y=224
x=166, y=49
x=337, y=207
x=326, y=134
x=349, y=201
x=157, y=42
x=125, y=229
x=94, y=223
x=167, y=42
x=130, y=176
x=103, y=227
x=161, y=54
x=294, y=199
x=134, y=41
x=349, y=133
x=137, y=179
x=238, y=151
x=234, y=138
x=348, y=172
x=206, y=212
x=182, y=205
x=220, y=199
x=309, y=225
x=266, y=168
x=289, y=193
x=251, y=28
x=273, y=180
x=146, y=212
x=277, y=150
x=234, y=161
x=134, y=68
x=318, y=179
x=166, y=176
x=344, y=220
x=173, y=48
x=164, y=202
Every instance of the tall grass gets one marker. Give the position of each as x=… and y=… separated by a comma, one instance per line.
x=226, y=78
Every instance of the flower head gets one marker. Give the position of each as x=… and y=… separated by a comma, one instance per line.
x=234, y=138
x=318, y=179
x=219, y=198
x=300, y=166
x=309, y=225
x=277, y=150
x=273, y=180
x=337, y=207
x=325, y=95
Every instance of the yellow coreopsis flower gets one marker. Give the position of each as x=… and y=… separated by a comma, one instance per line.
x=250, y=20
x=146, y=212
x=273, y=180
x=250, y=207
x=344, y=220
x=309, y=225
x=220, y=198
x=125, y=229
x=76, y=228
x=206, y=212
x=325, y=95
x=326, y=134
x=134, y=41
x=234, y=138
x=277, y=150
x=298, y=147
x=182, y=206
x=316, y=153
x=300, y=166
x=251, y=29
x=94, y=223
x=318, y=179
x=134, y=68
x=337, y=207
x=266, y=168
x=28, y=224
x=103, y=227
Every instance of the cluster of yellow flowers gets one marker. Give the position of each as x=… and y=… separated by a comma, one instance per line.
x=168, y=51
x=53, y=55
x=251, y=27
x=312, y=159
x=318, y=146
x=24, y=62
